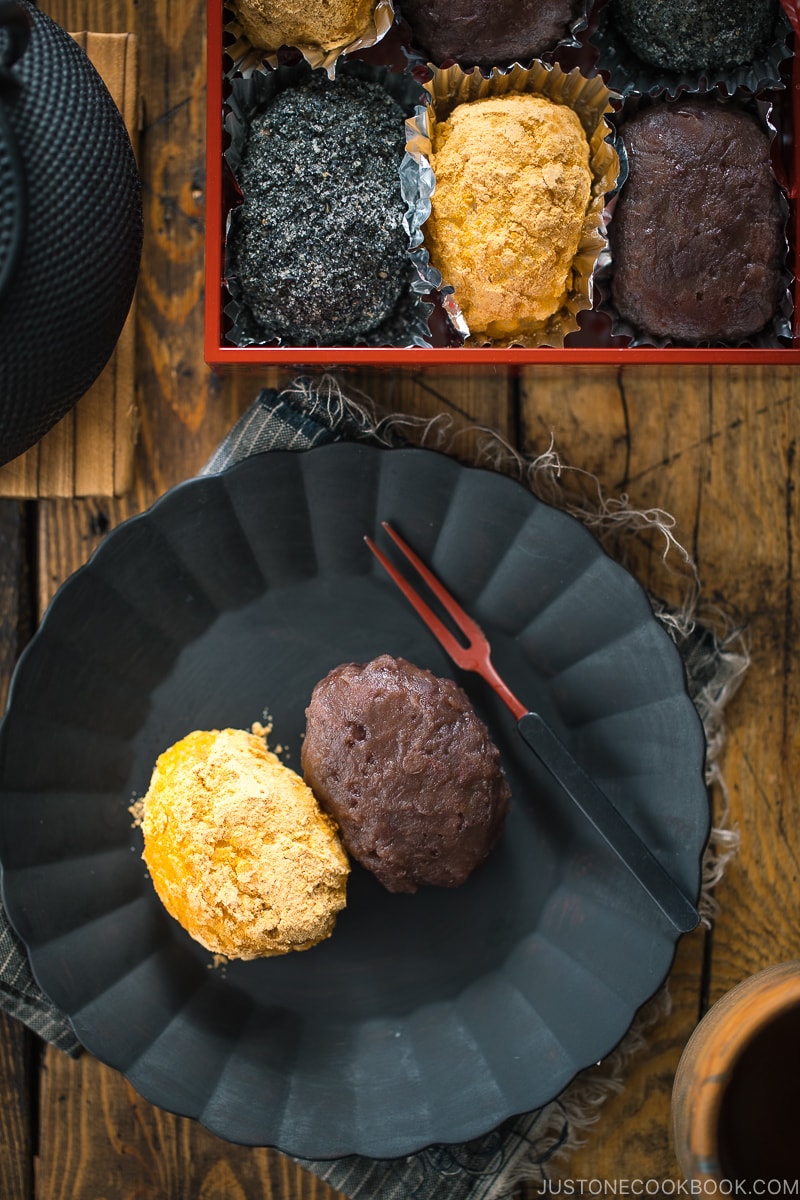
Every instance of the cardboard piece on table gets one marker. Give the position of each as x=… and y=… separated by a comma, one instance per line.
x=90, y=451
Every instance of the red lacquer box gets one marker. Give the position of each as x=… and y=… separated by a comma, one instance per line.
x=592, y=344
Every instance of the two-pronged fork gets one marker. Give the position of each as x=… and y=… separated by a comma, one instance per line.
x=474, y=654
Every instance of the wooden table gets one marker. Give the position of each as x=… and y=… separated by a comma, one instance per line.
x=715, y=447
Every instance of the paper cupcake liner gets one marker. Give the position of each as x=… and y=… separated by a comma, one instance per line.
x=629, y=75
x=247, y=58
x=407, y=326
x=591, y=100
x=773, y=336
x=419, y=60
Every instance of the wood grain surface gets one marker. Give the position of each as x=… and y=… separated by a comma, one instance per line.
x=91, y=449
x=714, y=447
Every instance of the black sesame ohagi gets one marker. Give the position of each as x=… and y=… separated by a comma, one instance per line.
x=318, y=245
x=696, y=35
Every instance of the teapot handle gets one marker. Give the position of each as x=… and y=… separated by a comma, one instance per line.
x=15, y=28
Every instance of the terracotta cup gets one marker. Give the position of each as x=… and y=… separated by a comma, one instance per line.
x=736, y=1096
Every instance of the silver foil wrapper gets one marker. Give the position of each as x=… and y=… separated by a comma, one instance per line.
x=630, y=76
x=247, y=58
x=592, y=101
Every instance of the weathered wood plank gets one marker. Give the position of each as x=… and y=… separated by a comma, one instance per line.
x=17, y=1078
x=20, y=477
x=13, y=588
x=449, y=400
x=90, y=450
x=98, y=1137
x=716, y=448
x=94, y=1130
x=113, y=1143
x=17, y=1089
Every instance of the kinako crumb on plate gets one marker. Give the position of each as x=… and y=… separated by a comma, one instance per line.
x=238, y=849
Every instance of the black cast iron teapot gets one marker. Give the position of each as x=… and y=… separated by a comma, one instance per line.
x=70, y=224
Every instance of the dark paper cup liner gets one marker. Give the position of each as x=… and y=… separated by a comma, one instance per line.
x=630, y=75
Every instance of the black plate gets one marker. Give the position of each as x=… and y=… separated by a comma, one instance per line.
x=424, y=1018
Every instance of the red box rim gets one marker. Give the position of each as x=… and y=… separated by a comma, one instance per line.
x=218, y=355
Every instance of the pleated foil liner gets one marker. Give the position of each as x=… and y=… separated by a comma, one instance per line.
x=249, y=94
x=247, y=58
x=773, y=336
x=591, y=100
x=629, y=75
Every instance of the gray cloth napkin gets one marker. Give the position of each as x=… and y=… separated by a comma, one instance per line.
x=21, y=996
x=490, y=1166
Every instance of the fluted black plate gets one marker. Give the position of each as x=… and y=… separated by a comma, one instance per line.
x=426, y=1017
